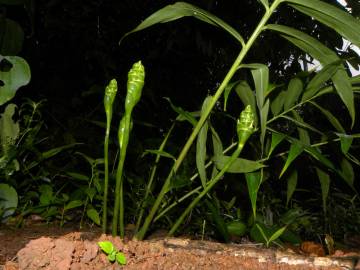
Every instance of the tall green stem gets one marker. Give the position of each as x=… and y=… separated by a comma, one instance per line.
x=141, y=234
x=118, y=218
x=109, y=97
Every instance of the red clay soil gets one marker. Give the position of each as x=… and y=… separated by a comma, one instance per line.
x=50, y=247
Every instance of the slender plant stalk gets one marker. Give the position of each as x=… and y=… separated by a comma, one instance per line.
x=109, y=97
x=141, y=234
x=151, y=178
x=135, y=84
x=245, y=127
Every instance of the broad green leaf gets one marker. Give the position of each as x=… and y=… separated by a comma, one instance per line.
x=201, y=145
x=263, y=121
x=277, y=104
x=158, y=152
x=295, y=150
x=247, y=96
x=93, y=215
x=345, y=142
x=227, y=92
x=239, y=165
x=8, y=200
x=19, y=75
x=324, y=179
x=186, y=115
x=291, y=185
x=253, y=181
x=262, y=232
x=337, y=19
x=276, y=138
x=332, y=119
x=316, y=83
x=326, y=56
x=180, y=10
x=292, y=93
x=348, y=171
x=11, y=37
x=120, y=258
x=260, y=73
x=9, y=129
x=303, y=133
x=73, y=204
x=106, y=246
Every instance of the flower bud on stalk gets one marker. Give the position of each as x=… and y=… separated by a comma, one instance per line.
x=245, y=125
x=135, y=84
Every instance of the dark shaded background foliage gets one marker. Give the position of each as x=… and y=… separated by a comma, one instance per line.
x=73, y=50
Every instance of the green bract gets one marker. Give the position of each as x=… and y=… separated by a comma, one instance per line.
x=245, y=124
x=136, y=77
x=110, y=93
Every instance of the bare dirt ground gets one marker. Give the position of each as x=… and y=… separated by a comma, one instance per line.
x=39, y=246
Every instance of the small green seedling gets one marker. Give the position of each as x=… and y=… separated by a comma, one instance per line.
x=273, y=237
x=113, y=254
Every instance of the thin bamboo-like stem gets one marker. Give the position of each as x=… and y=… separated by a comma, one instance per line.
x=118, y=218
x=141, y=234
x=106, y=172
x=151, y=178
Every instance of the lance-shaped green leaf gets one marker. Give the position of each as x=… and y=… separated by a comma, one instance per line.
x=295, y=150
x=277, y=104
x=264, y=112
x=348, y=171
x=326, y=56
x=260, y=73
x=247, y=96
x=337, y=19
x=291, y=185
x=316, y=83
x=180, y=10
x=324, y=179
x=18, y=75
x=332, y=119
x=183, y=115
x=135, y=84
x=345, y=142
x=292, y=93
x=253, y=181
x=276, y=139
x=201, y=144
x=227, y=92
x=239, y=165
x=302, y=130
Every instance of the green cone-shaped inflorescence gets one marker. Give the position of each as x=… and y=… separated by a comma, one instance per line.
x=109, y=97
x=245, y=125
x=136, y=77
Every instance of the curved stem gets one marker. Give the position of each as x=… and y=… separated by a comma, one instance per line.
x=141, y=234
x=119, y=198
x=208, y=187
x=151, y=179
x=106, y=176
